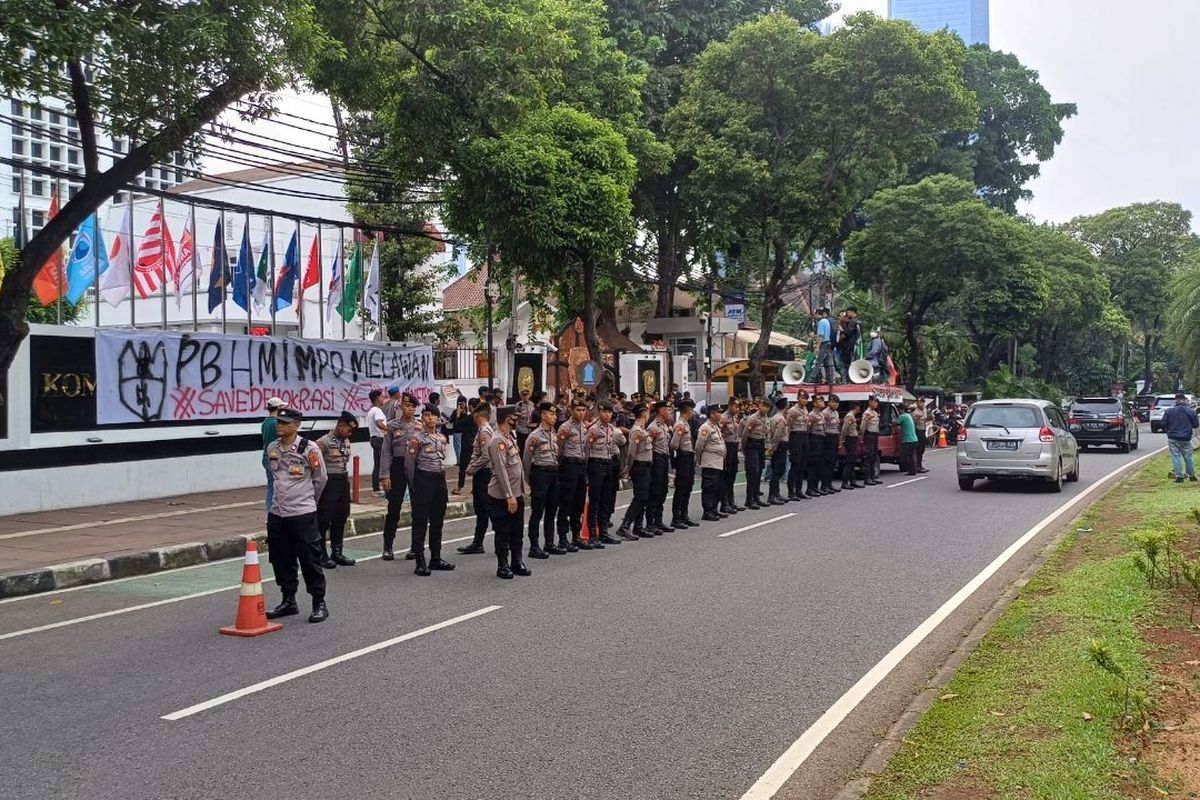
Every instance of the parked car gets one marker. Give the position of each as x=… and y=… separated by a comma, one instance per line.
x=1023, y=439
x=1161, y=403
x=1102, y=420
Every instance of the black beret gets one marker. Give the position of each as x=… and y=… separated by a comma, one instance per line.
x=349, y=419
x=289, y=415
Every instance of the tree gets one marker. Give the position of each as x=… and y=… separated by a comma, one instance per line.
x=1141, y=247
x=668, y=41
x=789, y=130
x=1017, y=120
x=554, y=193
x=154, y=71
x=47, y=315
x=923, y=244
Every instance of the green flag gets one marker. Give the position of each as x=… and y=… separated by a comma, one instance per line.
x=263, y=276
x=348, y=307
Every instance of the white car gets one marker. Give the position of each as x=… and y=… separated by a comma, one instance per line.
x=1027, y=439
x=1161, y=403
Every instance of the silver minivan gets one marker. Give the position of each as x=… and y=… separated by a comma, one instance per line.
x=1026, y=439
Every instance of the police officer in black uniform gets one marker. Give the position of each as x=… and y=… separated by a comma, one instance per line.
x=425, y=467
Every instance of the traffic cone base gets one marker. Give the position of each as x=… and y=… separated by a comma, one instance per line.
x=252, y=611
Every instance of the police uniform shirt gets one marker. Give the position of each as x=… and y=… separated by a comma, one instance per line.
x=641, y=447
x=601, y=441
x=779, y=430
x=508, y=474
x=850, y=427
x=797, y=419
x=572, y=436
x=336, y=452
x=400, y=433
x=710, y=446
x=479, y=455
x=524, y=412
x=660, y=437
x=730, y=427
x=681, y=437
x=754, y=427
x=816, y=422
x=870, y=421
x=426, y=452
x=299, y=476
x=831, y=421
x=541, y=450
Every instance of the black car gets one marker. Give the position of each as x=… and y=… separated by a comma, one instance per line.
x=1103, y=420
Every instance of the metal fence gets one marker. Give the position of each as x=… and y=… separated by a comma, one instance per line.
x=460, y=364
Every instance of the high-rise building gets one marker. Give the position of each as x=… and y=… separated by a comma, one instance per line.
x=967, y=18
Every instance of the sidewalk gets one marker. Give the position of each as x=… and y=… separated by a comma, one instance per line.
x=49, y=550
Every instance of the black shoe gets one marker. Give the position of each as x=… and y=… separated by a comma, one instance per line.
x=504, y=572
x=410, y=556
x=388, y=555
x=568, y=547
x=471, y=549
x=556, y=550
x=287, y=608
x=597, y=544
x=737, y=508
x=422, y=568
x=753, y=505
x=849, y=487
x=812, y=493
x=641, y=533
x=722, y=515
x=777, y=501
x=320, y=612
x=727, y=511
x=609, y=539
x=709, y=516
x=537, y=552
x=328, y=563
x=832, y=489
x=857, y=485
x=691, y=523
x=440, y=565
x=519, y=568
x=627, y=535
x=663, y=528
x=342, y=559
x=922, y=470
x=580, y=544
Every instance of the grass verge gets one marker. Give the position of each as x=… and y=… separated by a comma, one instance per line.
x=1029, y=715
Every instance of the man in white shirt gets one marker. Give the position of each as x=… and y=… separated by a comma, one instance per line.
x=377, y=428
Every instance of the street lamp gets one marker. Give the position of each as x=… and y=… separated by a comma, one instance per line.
x=492, y=291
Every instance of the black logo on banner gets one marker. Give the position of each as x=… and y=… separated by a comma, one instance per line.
x=142, y=379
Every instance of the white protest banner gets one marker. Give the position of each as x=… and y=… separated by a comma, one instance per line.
x=159, y=376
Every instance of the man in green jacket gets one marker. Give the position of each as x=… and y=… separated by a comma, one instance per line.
x=908, y=441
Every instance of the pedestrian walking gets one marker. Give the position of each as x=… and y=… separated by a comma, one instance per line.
x=572, y=471
x=292, y=536
x=660, y=466
x=376, y=430
x=797, y=423
x=639, y=460
x=540, y=461
x=685, y=466
x=506, y=497
x=333, y=507
x=778, y=442
x=480, y=471
x=710, y=453
x=1180, y=423
x=270, y=434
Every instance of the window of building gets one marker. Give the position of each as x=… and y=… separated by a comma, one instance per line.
x=73, y=190
x=179, y=176
x=687, y=347
x=56, y=153
x=119, y=198
x=35, y=112
x=16, y=184
x=36, y=150
x=18, y=147
x=38, y=218
x=118, y=146
x=71, y=121
x=37, y=132
x=18, y=108
x=18, y=223
x=72, y=155
x=73, y=137
x=37, y=187
x=55, y=118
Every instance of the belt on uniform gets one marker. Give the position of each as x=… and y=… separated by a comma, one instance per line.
x=599, y=460
x=341, y=476
x=575, y=460
x=439, y=473
x=544, y=467
x=662, y=455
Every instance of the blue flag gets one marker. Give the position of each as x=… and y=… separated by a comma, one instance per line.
x=85, y=255
x=286, y=285
x=218, y=276
x=243, y=272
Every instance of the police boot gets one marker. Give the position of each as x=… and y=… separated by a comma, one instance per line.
x=580, y=544
x=326, y=561
x=502, y=568
x=436, y=563
x=553, y=549
x=652, y=525
x=286, y=608
x=659, y=525
x=566, y=545
x=422, y=568
x=471, y=549
x=341, y=558
x=519, y=568
x=535, y=551
x=710, y=516
x=608, y=538
x=854, y=484
x=320, y=612
x=688, y=521
x=410, y=556
x=625, y=533
x=641, y=533
x=848, y=486
x=677, y=522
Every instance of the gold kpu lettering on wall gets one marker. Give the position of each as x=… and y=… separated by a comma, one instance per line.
x=68, y=384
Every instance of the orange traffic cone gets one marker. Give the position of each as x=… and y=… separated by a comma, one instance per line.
x=942, y=437
x=585, y=535
x=252, y=612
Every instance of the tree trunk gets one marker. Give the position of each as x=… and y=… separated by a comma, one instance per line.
x=588, y=312
x=1147, y=366
x=916, y=351
x=772, y=302
x=669, y=248
x=18, y=282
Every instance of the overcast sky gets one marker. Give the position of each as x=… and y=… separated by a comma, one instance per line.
x=1132, y=70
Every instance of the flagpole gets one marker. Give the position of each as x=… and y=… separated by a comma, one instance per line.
x=271, y=265
x=58, y=265
x=162, y=252
x=224, y=283
x=342, y=277
x=362, y=318
x=320, y=287
x=195, y=267
x=300, y=276
x=96, y=261
x=132, y=259
x=249, y=288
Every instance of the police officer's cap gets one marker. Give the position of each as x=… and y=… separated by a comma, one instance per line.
x=346, y=418
x=714, y=407
x=606, y=406
x=289, y=415
x=686, y=403
x=544, y=407
x=393, y=389
x=781, y=403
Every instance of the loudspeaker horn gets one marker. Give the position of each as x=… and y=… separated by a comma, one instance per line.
x=861, y=371
x=792, y=373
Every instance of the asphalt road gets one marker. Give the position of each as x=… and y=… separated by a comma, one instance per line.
x=678, y=667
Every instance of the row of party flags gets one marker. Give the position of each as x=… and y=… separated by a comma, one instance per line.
x=159, y=259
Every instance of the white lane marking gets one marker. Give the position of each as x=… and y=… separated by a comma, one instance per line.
x=905, y=483
x=791, y=760
x=64, y=623
x=139, y=518
x=175, y=716
x=736, y=531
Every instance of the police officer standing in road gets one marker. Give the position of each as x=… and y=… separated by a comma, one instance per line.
x=333, y=509
x=541, y=473
x=797, y=424
x=292, y=535
x=816, y=446
x=506, y=497
x=848, y=440
x=710, y=452
x=572, y=471
x=777, y=448
x=480, y=470
x=639, y=460
x=731, y=433
x=870, y=442
x=833, y=428
x=920, y=420
x=660, y=466
x=425, y=468
x=401, y=431
x=685, y=466
x=604, y=441
x=754, y=435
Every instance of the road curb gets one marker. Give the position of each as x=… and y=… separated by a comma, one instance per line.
x=859, y=781
x=157, y=559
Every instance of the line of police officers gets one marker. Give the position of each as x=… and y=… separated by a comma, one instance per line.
x=565, y=467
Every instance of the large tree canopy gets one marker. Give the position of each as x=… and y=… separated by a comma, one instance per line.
x=789, y=130
x=155, y=71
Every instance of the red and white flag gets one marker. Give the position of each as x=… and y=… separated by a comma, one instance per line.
x=155, y=256
x=183, y=277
